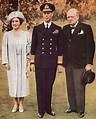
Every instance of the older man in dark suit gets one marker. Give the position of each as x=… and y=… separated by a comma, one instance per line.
x=78, y=56
x=46, y=54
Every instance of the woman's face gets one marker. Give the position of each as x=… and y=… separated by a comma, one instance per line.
x=15, y=23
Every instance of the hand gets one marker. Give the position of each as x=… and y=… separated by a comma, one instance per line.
x=7, y=66
x=33, y=67
x=59, y=69
x=88, y=67
x=28, y=63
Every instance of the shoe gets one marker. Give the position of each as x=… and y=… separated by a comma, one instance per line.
x=51, y=113
x=14, y=110
x=69, y=110
x=81, y=115
x=21, y=110
x=40, y=115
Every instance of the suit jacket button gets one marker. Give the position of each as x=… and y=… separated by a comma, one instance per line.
x=50, y=53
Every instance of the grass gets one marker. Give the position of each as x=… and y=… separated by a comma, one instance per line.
x=59, y=98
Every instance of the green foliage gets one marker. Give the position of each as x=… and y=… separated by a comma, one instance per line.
x=5, y=8
x=29, y=9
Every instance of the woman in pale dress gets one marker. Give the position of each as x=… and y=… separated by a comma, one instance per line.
x=16, y=57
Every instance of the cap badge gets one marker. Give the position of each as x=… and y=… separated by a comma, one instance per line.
x=46, y=7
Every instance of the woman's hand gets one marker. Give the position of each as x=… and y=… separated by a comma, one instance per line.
x=7, y=66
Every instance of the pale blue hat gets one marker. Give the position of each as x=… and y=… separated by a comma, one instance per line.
x=15, y=14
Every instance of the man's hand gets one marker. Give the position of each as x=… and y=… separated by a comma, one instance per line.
x=88, y=67
x=59, y=69
x=33, y=67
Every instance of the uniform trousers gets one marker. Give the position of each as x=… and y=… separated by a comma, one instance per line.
x=75, y=90
x=44, y=81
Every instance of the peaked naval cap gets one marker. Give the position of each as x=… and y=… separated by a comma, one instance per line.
x=47, y=7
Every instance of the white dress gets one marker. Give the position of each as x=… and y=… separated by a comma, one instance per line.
x=16, y=52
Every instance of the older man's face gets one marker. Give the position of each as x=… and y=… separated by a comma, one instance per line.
x=72, y=16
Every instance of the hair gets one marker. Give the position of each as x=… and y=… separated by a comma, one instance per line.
x=21, y=20
x=77, y=12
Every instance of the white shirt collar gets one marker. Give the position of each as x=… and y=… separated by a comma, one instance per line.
x=49, y=24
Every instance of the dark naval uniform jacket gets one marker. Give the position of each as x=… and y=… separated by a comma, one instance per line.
x=46, y=45
x=79, y=47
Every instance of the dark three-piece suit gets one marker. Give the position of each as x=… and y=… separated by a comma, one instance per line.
x=46, y=46
x=78, y=51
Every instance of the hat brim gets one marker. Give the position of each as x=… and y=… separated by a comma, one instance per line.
x=46, y=10
x=88, y=77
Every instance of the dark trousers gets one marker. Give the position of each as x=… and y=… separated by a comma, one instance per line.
x=76, y=91
x=44, y=81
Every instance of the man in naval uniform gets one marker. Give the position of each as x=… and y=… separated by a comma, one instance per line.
x=46, y=52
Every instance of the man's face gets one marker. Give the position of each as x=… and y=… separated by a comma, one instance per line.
x=72, y=16
x=47, y=16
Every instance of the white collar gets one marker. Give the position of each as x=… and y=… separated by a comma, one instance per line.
x=49, y=24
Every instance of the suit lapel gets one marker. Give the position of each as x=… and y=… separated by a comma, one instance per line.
x=42, y=29
x=68, y=31
x=50, y=30
x=77, y=29
x=45, y=32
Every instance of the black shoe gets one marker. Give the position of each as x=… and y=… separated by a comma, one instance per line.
x=40, y=115
x=51, y=113
x=69, y=110
x=81, y=115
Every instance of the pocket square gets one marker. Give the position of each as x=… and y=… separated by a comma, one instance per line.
x=55, y=32
x=81, y=32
